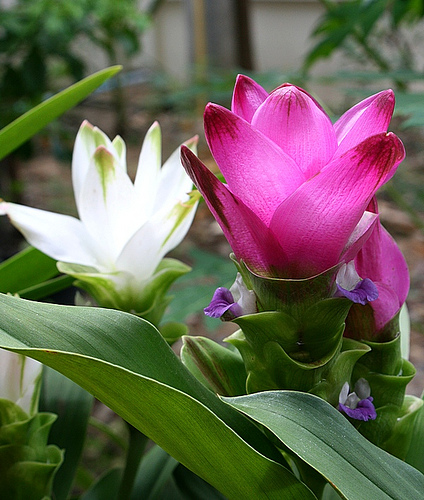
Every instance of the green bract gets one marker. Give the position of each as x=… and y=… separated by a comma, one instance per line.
x=27, y=463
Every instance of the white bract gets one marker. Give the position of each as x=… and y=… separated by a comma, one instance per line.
x=124, y=228
x=20, y=379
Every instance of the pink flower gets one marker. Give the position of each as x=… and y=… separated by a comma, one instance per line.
x=381, y=260
x=298, y=187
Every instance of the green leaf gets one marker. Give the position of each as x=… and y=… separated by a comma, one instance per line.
x=32, y=275
x=322, y=437
x=106, y=487
x=192, y=486
x=73, y=407
x=155, y=470
x=26, y=269
x=218, y=367
x=24, y=127
x=124, y=362
x=27, y=463
x=46, y=288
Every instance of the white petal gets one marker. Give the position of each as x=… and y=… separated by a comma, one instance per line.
x=143, y=252
x=60, y=236
x=359, y=235
x=147, y=177
x=19, y=380
x=244, y=297
x=120, y=150
x=107, y=204
x=174, y=184
x=175, y=224
x=344, y=393
x=159, y=235
x=86, y=143
x=347, y=277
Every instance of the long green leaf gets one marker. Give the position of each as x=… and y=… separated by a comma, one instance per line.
x=72, y=405
x=323, y=438
x=123, y=361
x=24, y=127
x=32, y=275
x=26, y=269
x=106, y=487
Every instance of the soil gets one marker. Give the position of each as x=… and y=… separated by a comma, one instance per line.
x=46, y=183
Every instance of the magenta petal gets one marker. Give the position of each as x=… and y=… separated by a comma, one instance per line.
x=247, y=97
x=369, y=117
x=296, y=122
x=315, y=223
x=248, y=236
x=385, y=307
x=256, y=170
x=381, y=260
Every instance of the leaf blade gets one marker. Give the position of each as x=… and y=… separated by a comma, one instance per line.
x=24, y=127
x=115, y=356
x=312, y=429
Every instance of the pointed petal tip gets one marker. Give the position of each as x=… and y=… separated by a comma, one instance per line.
x=384, y=103
x=189, y=160
x=3, y=207
x=86, y=124
x=154, y=129
x=191, y=142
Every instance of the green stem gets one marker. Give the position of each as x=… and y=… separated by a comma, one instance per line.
x=136, y=446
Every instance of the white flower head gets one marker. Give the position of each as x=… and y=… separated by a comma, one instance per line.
x=124, y=228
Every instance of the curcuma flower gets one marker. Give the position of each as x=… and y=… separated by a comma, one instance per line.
x=229, y=304
x=298, y=187
x=357, y=404
x=20, y=379
x=351, y=286
x=125, y=228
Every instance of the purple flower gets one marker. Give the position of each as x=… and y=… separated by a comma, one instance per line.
x=230, y=304
x=357, y=404
x=351, y=286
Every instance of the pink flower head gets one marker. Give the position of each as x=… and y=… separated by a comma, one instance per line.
x=298, y=187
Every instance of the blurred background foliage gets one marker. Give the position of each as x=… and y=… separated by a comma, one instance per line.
x=38, y=49
x=378, y=38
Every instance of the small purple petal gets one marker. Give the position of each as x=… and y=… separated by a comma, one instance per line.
x=222, y=301
x=364, y=411
x=365, y=291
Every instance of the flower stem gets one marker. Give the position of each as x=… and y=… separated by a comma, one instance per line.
x=137, y=444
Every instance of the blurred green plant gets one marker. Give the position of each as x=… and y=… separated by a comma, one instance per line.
x=377, y=35
x=38, y=44
x=359, y=26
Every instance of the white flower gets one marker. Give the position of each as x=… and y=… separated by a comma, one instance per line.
x=124, y=228
x=20, y=379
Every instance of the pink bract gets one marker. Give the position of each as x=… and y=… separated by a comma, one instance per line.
x=297, y=187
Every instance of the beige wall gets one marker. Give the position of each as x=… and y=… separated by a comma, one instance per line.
x=280, y=31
